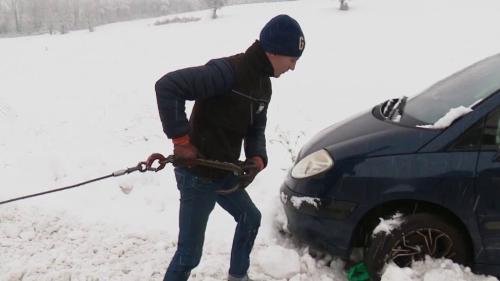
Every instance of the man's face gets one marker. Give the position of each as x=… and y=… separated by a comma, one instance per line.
x=282, y=64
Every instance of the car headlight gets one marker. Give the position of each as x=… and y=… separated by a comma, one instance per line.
x=312, y=164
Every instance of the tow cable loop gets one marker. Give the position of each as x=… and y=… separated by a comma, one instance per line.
x=142, y=167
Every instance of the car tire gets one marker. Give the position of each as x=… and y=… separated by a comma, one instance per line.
x=418, y=235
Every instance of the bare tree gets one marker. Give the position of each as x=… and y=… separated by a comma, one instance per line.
x=164, y=6
x=4, y=23
x=17, y=10
x=215, y=5
x=36, y=16
x=89, y=13
x=344, y=5
x=75, y=7
x=64, y=16
x=2, y=17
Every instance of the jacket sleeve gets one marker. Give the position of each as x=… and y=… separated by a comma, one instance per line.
x=255, y=140
x=172, y=90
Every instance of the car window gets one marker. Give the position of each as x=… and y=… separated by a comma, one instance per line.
x=462, y=89
x=471, y=139
x=490, y=139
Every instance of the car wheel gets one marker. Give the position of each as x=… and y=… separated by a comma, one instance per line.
x=418, y=235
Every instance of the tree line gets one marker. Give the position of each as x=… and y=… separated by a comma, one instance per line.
x=24, y=17
x=28, y=17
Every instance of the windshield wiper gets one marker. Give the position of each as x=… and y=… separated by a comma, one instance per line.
x=393, y=106
x=400, y=107
x=387, y=107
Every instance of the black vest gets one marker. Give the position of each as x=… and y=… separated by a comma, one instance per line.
x=220, y=123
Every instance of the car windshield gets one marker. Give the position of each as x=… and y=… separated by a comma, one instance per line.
x=465, y=88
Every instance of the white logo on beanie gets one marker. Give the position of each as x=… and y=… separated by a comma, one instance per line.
x=302, y=43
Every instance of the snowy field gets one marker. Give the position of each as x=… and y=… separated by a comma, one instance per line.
x=82, y=105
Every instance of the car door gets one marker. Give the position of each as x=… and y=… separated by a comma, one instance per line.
x=487, y=185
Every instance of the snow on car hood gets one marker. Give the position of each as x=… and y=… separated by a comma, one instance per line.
x=451, y=116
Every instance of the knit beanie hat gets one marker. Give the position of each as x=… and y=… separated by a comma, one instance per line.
x=282, y=35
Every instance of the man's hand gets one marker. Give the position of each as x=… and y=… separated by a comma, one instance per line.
x=251, y=167
x=184, y=151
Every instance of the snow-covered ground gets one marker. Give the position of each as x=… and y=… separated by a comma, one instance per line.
x=82, y=105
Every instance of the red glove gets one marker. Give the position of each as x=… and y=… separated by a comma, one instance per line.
x=258, y=162
x=184, y=151
x=252, y=166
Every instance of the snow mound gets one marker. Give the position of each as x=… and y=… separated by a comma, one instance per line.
x=51, y=246
x=272, y=263
x=432, y=270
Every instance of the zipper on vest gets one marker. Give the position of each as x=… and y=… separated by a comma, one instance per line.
x=252, y=100
x=249, y=97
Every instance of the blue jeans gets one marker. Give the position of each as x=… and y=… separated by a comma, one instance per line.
x=198, y=198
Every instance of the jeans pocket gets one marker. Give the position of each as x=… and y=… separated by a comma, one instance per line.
x=187, y=181
x=224, y=184
x=203, y=184
x=229, y=183
x=180, y=177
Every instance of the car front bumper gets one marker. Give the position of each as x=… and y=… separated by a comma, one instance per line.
x=321, y=223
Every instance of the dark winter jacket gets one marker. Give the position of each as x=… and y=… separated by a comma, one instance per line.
x=231, y=94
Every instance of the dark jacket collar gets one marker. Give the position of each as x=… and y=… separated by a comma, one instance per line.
x=256, y=57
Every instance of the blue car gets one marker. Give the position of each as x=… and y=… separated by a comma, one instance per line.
x=432, y=161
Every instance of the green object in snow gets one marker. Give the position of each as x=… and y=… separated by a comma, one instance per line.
x=358, y=272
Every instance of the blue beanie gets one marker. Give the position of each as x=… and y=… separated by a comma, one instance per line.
x=282, y=35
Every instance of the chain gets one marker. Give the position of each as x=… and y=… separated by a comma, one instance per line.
x=143, y=167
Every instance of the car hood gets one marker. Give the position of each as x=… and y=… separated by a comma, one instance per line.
x=366, y=136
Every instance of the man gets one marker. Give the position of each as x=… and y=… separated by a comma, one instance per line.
x=231, y=98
